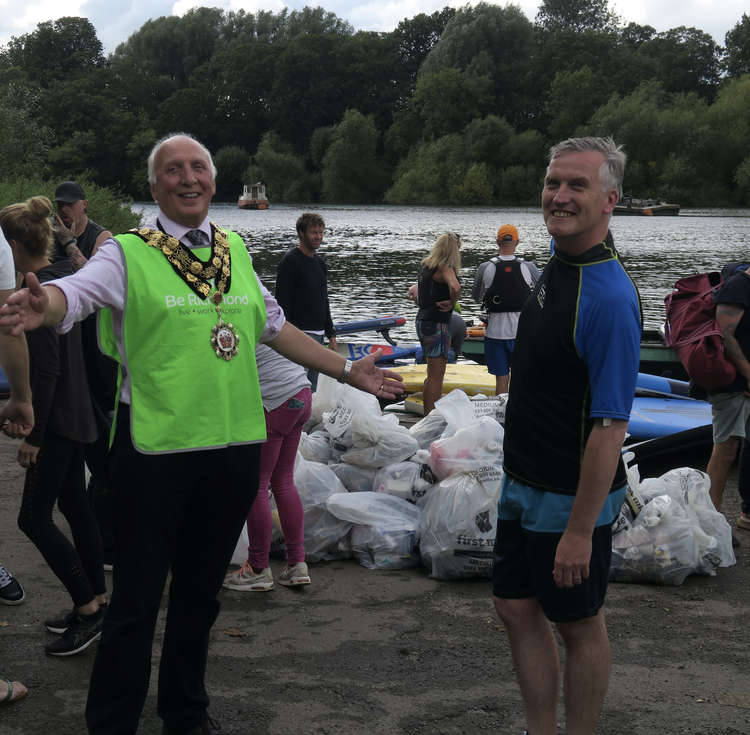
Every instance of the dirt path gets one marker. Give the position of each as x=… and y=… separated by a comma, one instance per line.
x=384, y=653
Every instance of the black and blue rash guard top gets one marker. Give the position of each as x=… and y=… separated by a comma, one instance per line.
x=576, y=359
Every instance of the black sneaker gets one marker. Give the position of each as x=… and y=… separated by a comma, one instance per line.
x=11, y=592
x=82, y=632
x=62, y=622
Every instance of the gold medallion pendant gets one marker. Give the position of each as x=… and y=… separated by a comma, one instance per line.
x=198, y=275
x=224, y=340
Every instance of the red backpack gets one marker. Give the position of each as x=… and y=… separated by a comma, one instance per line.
x=692, y=331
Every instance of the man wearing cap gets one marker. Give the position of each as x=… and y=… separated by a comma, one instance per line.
x=502, y=285
x=76, y=236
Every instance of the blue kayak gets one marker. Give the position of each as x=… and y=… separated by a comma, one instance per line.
x=652, y=417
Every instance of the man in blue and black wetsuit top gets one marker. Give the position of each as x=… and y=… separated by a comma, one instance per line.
x=575, y=366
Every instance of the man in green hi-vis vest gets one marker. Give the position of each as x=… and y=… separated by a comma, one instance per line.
x=181, y=312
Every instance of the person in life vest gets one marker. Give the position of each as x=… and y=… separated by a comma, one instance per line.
x=181, y=310
x=503, y=285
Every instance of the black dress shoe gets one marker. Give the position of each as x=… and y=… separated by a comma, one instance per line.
x=209, y=726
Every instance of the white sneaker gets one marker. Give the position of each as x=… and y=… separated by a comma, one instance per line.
x=294, y=575
x=246, y=580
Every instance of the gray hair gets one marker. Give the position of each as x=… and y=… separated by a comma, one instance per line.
x=613, y=169
x=151, y=163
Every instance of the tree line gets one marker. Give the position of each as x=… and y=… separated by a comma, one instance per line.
x=456, y=107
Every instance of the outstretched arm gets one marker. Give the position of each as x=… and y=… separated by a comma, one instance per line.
x=365, y=375
x=32, y=307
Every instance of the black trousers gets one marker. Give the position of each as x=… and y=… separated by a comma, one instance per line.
x=58, y=476
x=183, y=512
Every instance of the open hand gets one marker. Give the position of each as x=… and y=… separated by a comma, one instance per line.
x=24, y=309
x=367, y=376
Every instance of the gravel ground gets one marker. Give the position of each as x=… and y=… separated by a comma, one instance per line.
x=383, y=653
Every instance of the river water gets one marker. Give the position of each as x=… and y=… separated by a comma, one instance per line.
x=373, y=252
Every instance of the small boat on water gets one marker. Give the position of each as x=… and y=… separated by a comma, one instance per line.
x=253, y=197
x=646, y=207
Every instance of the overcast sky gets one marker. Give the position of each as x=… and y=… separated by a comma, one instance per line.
x=115, y=20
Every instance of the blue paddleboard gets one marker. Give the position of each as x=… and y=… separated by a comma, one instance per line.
x=652, y=417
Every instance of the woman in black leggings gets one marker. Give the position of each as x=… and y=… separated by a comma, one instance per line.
x=53, y=451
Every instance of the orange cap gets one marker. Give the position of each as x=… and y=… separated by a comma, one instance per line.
x=507, y=233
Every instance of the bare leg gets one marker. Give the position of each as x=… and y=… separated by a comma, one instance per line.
x=722, y=456
x=588, y=659
x=502, y=382
x=534, y=651
x=433, y=385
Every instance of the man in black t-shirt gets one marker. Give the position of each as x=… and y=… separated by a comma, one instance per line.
x=302, y=285
x=730, y=406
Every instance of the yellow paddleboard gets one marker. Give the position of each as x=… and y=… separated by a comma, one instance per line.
x=470, y=378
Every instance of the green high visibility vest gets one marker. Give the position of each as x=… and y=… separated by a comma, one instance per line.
x=184, y=397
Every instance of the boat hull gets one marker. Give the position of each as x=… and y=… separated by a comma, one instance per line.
x=252, y=204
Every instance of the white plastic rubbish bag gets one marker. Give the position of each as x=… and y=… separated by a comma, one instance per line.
x=315, y=447
x=661, y=552
x=458, y=524
x=391, y=445
x=408, y=480
x=326, y=537
x=428, y=429
x=456, y=408
x=239, y=555
x=660, y=547
x=384, y=535
x=355, y=479
x=692, y=487
x=478, y=445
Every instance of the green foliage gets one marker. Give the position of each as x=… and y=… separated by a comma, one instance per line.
x=449, y=99
x=427, y=174
x=684, y=60
x=416, y=37
x=56, y=50
x=576, y=15
x=319, y=144
x=728, y=121
x=461, y=104
x=24, y=143
x=281, y=170
x=742, y=177
x=493, y=43
x=737, y=60
x=106, y=207
x=487, y=140
x=521, y=184
x=351, y=169
x=475, y=187
x=573, y=98
x=231, y=163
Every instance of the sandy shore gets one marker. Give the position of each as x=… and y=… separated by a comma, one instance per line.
x=383, y=653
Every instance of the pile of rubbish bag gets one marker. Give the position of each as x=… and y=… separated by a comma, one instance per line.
x=394, y=498
x=668, y=529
